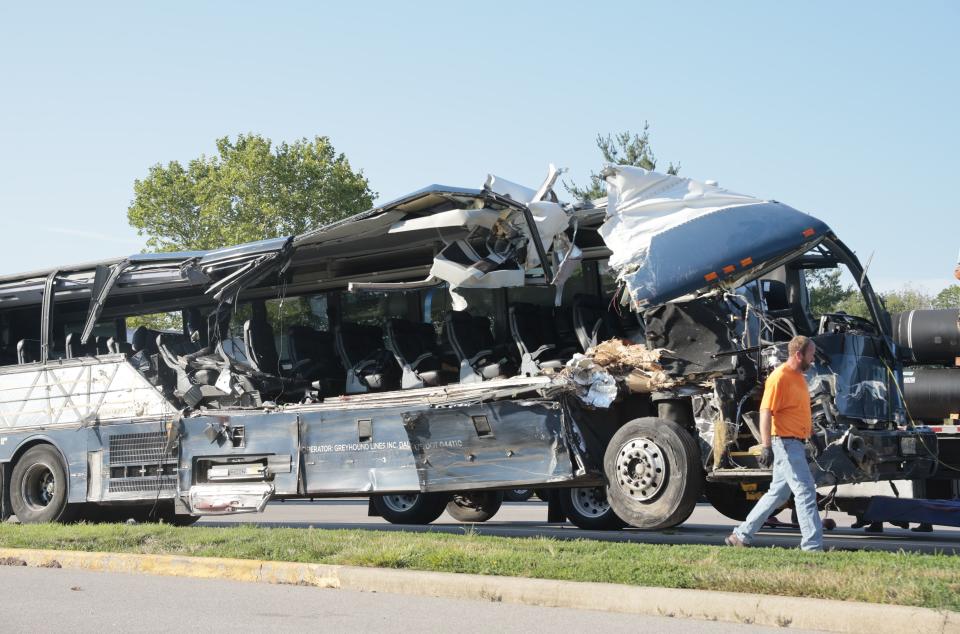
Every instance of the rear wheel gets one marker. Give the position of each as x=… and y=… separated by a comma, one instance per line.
x=518, y=495
x=411, y=508
x=735, y=500
x=589, y=508
x=653, y=473
x=476, y=506
x=39, y=488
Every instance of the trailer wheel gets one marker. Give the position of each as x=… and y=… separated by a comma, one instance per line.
x=653, y=473
x=476, y=506
x=38, y=487
x=731, y=500
x=589, y=508
x=518, y=495
x=411, y=508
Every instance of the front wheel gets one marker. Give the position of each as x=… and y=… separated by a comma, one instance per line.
x=476, y=506
x=411, y=508
x=589, y=508
x=38, y=487
x=653, y=473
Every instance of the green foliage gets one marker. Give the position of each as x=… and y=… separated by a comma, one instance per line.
x=829, y=295
x=251, y=190
x=623, y=148
x=881, y=577
x=826, y=290
x=948, y=297
x=853, y=304
x=906, y=298
x=158, y=321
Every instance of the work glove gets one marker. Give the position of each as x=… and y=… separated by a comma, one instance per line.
x=766, y=457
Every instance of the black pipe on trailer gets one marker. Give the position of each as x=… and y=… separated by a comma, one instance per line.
x=933, y=336
x=931, y=394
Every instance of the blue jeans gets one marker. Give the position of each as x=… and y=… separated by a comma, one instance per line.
x=790, y=473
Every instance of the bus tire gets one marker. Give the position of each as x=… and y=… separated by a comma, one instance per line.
x=589, y=509
x=411, y=508
x=517, y=495
x=731, y=500
x=475, y=506
x=654, y=473
x=39, y=487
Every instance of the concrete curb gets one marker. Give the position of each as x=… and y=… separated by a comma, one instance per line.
x=776, y=611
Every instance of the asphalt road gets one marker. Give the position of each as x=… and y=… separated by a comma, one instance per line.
x=528, y=519
x=50, y=600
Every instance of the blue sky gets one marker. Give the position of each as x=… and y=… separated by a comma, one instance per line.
x=848, y=111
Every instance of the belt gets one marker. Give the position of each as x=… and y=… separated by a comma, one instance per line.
x=792, y=438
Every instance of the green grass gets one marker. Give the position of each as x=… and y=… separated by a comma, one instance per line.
x=897, y=578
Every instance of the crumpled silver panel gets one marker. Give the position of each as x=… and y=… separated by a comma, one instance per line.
x=502, y=444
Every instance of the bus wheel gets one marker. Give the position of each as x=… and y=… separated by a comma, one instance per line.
x=588, y=508
x=517, y=495
x=730, y=499
x=411, y=508
x=38, y=487
x=653, y=473
x=476, y=506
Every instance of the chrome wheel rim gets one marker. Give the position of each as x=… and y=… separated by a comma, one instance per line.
x=400, y=503
x=641, y=469
x=590, y=501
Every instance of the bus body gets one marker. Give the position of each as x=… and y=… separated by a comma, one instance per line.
x=446, y=344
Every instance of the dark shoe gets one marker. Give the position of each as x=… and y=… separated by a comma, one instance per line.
x=875, y=527
x=923, y=528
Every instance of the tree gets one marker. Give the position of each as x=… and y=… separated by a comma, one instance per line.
x=826, y=290
x=251, y=190
x=948, y=297
x=623, y=148
x=906, y=298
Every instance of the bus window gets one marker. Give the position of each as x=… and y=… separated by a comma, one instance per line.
x=310, y=311
x=437, y=303
x=373, y=308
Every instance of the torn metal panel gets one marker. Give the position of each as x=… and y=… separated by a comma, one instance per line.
x=240, y=446
x=501, y=444
x=492, y=389
x=398, y=449
x=455, y=218
x=671, y=236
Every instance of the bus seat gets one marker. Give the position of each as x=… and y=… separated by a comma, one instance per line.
x=368, y=365
x=415, y=347
x=481, y=358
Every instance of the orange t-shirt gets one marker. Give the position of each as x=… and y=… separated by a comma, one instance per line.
x=785, y=395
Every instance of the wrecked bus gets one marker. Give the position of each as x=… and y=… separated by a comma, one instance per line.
x=442, y=348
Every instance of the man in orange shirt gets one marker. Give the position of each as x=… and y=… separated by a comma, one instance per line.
x=785, y=426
